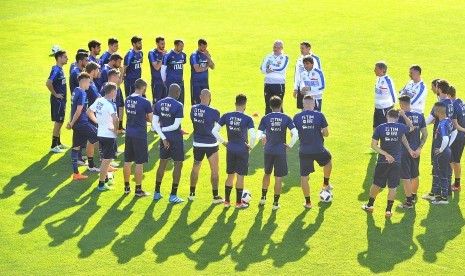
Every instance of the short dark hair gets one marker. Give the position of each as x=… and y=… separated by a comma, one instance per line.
x=135, y=39
x=158, y=39
x=110, y=86
x=308, y=58
x=441, y=106
x=381, y=65
x=59, y=53
x=83, y=75
x=451, y=91
x=115, y=56
x=140, y=83
x=92, y=44
x=435, y=82
x=202, y=41
x=81, y=56
x=178, y=41
x=275, y=102
x=306, y=44
x=405, y=99
x=91, y=66
x=82, y=50
x=308, y=98
x=416, y=67
x=393, y=113
x=443, y=85
x=241, y=99
x=112, y=41
x=112, y=73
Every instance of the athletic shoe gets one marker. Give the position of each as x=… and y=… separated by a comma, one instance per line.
x=104, y=188
x=242, y=205
x=308, y=205
x=456, y=188
x=141, y=193
x=110, y=182
x=56, y=150
x=78, y=176
x=367, y=208
x=81, y=163
x=61, y=146
x=175, y=199
x=84, y=157
x=121, y=131
x=429, y=196
x=440, y=201
x=227, y=204
x=262, y=202
x=388, y=214
x=183, y=132
x=405, y=206
x=276, y=207
x=127, y=189
x=119, y=151
x=112, y=169
x=93, y=169
x=157, y=196
x=217, y=200
x=191, y=197
x=328, y=187
x=114, y=164
x=110, y=175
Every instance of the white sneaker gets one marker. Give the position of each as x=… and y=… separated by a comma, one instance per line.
x=367, y=208
x=328, y=187
x=61, y=146
x=110, y=175
x=440, y=201
x=217, y=200
x=429, y=197
x=81, y=163
x=114, y=164
x=93, y=169
x=56, y=150
x=262, y=202
x=119, y=151
x=191, y=198
x=276, y=207
x=84, y=157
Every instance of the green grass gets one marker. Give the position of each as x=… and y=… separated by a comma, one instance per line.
x=52, y=225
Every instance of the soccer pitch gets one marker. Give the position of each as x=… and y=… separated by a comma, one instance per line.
x=52, y=225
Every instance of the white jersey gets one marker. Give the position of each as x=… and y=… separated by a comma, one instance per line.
x=299, y=68
x=104, y=108
x=384, y=92
x=278, y=64
x=417, y=91
x=315, y=80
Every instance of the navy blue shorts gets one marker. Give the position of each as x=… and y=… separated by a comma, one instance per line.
x=57, y=109
x=175, y=151
x=457, y=150
x=119, y=101
x=84, y=132
x=196, y=88
x=237, y=162
x=181, y=84
x=136, y=150
x=379, y=116
x=441, y=164
x=278, y=162
x=201, y=152
x=409, y=166
x=307, y=160
x=108, y=147
x=387, y=173
x=158, y=91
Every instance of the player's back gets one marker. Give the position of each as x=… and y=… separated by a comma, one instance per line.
x=418, y=122
x=237, y=126
x=275, y=125
x=168, y=109
x=79, y=98
x=137, y=108
x=390, y=137
x=203, y=119
x=309, y=124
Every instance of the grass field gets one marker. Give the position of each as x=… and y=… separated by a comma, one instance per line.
x=52, y=225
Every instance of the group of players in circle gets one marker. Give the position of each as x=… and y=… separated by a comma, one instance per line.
x=98, y=108
x=399, y=136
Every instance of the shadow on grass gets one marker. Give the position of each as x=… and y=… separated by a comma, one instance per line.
x=294, y=246
x=389, y=246
x=368, y=178
x=217, y=243
x=178, y=239
x=442, y=224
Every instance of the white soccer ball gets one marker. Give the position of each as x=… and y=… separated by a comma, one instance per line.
x=246, y=196
x=326, y=196
x=55, y=49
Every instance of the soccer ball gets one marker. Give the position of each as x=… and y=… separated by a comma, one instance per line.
x=326, y=196
x=55, y=49
x=246, y=196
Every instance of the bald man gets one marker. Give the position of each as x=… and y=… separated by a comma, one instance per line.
x=203, y=119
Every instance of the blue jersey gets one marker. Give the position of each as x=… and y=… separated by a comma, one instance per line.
x=200, y=59
x=459, y=114
x=104, y=76
x=104, y=59
x=174, y=63
x=168, y=109
x=133, y=61
x=275, y=125
x=137, y=108
x=155, y=56
x=73, y=81
x=92, y=93
x=237, y=124
x=58, y=78
x=71, y=67
x=390, y=135
x=449, y=109
x=309, y=124
x=413, y=137
x=203, y=119
x=97, y=81
x=444, y=129
x=79, y=97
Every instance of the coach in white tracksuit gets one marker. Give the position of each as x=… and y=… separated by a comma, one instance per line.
x=274, y=67
x=416, y=90
x=384, y=94
x=305, y=50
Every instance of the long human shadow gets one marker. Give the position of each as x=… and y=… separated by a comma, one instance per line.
x=73, y=225
x=251, y=249
x=256, y=158
x=133, y=245
x=294, y=246
x=292, y=180
x=105, y=230
x=368, y=178
x=389, y=246
x=213, y=244
x=442, y=224
x=179, y=238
